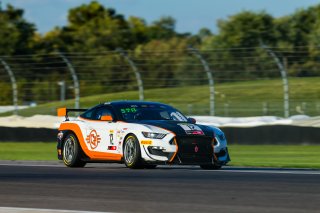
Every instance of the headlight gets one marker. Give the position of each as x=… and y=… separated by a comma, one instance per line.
x=153, y=135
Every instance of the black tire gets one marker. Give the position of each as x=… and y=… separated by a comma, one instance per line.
x=150, y=166
x=210, y=167
x=132, y=153
x=72, y=152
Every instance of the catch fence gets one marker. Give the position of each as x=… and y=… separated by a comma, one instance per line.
x=222, y=82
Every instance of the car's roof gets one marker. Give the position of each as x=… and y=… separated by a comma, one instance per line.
x=117, y=103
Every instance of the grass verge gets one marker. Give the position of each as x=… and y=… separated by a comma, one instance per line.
x=27, y=151
x=250, y=98
x=280, y=156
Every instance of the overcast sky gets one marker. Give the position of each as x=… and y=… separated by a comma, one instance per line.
x=191, y=15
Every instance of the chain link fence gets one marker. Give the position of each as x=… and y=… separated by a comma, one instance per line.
x=222, y=82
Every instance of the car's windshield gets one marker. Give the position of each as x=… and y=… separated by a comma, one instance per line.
x=149, y=112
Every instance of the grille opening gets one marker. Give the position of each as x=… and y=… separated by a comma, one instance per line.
x=195, y=149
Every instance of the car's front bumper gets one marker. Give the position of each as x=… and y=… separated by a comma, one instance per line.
x=222, y=157
x=188, y=150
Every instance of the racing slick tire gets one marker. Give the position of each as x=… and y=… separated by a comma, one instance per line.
x=210, y=167
x=72, y=152
x=132, y=153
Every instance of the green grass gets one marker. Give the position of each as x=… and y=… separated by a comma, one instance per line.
x=280, y=156
x=28, y=151
x=231, y=99
x=284, y=156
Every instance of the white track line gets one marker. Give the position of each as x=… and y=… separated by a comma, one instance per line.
x=294, y=172
x=35, y=210
x=30, y=165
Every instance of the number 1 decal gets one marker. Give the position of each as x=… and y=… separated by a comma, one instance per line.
x=111, y=136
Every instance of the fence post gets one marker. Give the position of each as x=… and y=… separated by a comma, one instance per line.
x=210, y=78
x=284, y=77
x=75, y=81
x=136, y=72
x=13, y=84
x=62, y=85
x=265, y=108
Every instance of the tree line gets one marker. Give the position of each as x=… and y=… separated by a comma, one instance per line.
x=95, y=34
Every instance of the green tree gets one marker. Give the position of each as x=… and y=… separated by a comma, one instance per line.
x=246, y=29
x=164, y=28
x=162, y=62
x=138, y=29
x=93, y=27
x=16, y=34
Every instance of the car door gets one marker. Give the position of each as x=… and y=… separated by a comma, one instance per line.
x=101, y=134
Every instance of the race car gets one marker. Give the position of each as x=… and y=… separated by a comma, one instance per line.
x=140, y=135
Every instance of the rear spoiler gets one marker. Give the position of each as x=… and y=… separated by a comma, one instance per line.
x=64, y=112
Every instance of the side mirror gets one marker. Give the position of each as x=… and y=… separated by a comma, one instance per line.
x=106, y=118
x=192, y=120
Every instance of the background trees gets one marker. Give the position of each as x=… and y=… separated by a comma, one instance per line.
x=94, y=33
x=16, y=34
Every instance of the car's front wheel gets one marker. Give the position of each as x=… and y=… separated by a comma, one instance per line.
x=72, y=152
x=132, y=153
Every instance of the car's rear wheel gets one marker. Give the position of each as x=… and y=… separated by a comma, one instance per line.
x=132, y=153
x=210, y=167
x=72, y=152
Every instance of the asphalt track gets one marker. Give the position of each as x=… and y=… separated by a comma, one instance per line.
x=114, y=188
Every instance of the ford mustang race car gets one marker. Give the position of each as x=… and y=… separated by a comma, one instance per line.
x=140, y=135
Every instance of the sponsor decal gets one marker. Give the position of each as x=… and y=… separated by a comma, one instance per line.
x=197, y=132
x=146, y=142
x=112, y=148
x=177, y=116
x=191, y=129
x=93, y=139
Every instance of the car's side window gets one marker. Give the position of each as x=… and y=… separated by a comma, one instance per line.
x=96, y=113
x=88, y=114
x=101, y=112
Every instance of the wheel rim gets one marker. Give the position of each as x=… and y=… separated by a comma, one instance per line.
x=69, y=150
x=129, y=151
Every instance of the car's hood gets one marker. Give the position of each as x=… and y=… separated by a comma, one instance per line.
x=180, y=128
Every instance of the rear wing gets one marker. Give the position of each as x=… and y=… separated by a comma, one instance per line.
x=63, y=112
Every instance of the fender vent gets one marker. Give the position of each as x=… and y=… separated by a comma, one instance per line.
x=171, y=142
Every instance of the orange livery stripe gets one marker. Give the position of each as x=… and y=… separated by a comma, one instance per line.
x=93, y=155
